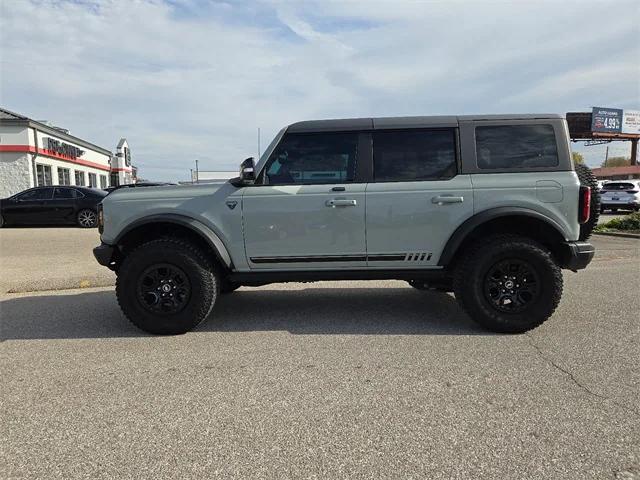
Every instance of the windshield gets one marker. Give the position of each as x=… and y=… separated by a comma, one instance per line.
x=267, y=153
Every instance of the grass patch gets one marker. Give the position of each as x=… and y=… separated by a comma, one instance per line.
x=630, y=223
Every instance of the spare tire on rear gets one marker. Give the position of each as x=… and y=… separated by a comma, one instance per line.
x=588, y=179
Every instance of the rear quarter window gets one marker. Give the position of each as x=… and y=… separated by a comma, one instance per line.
x=518, y=147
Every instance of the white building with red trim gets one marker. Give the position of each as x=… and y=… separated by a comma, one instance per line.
x=33, y=153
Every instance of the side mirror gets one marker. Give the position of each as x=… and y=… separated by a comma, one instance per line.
x=247, y=171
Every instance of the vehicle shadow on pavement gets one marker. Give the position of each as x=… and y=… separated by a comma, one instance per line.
x=312, y=311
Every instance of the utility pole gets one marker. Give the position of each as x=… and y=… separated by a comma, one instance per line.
x=197, y=173
x=606, y=156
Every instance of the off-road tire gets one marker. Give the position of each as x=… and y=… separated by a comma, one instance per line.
x=588, y=179
x=473, y=271
x=83, y=217
x=1, y=221
x=227, y=287
x=202, y=278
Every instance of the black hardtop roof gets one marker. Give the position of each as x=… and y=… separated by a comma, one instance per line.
x=381, y=123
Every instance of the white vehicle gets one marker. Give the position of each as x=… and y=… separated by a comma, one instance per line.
x=623, y=195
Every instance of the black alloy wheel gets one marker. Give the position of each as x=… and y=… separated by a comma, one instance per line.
x=512, y=285
x=167, y=286
x=508, y=283
x=164, y=289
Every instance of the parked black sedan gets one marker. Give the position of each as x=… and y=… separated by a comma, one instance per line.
x=57, y=205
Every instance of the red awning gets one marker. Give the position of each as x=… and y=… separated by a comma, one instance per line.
x=615, y=171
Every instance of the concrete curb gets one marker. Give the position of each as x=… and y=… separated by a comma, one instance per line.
x=75, y=282
x=619, y=234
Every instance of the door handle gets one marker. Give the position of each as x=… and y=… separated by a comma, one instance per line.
x=340, y=203
x=442, y=199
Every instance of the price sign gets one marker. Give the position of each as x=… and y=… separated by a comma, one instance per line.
x=606, y=120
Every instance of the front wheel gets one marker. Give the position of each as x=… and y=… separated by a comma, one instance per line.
x=87, y=218
x=508, y=284
x=166, y=286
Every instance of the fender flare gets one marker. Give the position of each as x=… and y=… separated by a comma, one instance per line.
x=469, y=225
x=212, y=239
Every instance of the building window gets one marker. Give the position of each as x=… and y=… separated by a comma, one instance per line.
x=103, y=181
x=43, y=173
x=93, y=180
x=64, y=176
x=80, y=178
x=115, y=182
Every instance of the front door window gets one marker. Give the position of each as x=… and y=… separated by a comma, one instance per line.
x=311, y=159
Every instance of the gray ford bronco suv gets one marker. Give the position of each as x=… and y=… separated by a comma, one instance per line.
x=489, y=207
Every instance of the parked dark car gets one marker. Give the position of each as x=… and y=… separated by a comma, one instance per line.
x=56, y=205
x=138, y=185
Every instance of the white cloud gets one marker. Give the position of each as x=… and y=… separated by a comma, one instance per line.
x=186, y=80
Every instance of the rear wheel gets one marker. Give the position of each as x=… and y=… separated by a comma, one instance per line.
x=166, y=286
x=508, y=284
x=87, y=218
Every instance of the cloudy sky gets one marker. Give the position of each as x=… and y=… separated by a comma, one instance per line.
x=194, y=79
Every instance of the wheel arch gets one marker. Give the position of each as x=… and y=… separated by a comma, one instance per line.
x=517, y=220
x=155, y=226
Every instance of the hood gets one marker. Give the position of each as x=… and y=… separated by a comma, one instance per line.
x=163, y=192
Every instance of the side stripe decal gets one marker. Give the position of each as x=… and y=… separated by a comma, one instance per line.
x=386, y=257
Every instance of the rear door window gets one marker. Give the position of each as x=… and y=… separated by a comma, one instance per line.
x=617, y=186
x=65, y=193
x=414, y=155
x=516, y=146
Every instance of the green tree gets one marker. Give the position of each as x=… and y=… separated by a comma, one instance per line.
x=577, y=157
x=617, y=162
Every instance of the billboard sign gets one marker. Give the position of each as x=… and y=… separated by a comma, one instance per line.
x=606, y=120
x=631, y=122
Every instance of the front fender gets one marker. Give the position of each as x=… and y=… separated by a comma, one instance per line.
x=205, y=232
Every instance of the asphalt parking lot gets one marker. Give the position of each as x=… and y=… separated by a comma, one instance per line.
x=324, y=380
